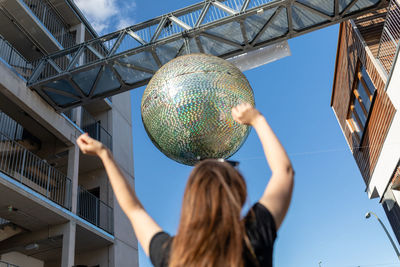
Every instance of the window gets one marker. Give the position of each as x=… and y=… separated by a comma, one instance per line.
x=360, y=102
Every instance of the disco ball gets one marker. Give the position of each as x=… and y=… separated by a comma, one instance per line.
x=186, y=108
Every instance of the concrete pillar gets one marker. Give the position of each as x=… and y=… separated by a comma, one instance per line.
x=78, y=116
x=69, y=235
x=68, y=246
x=80, y=37
x=125, y=248
x=80, y=32
x=73, y=173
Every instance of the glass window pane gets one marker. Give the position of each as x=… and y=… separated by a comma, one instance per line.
x=364, y=96
x=360, y=112
x=367, y=80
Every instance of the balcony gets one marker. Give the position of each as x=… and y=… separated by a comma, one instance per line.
x=25, y=167
x=51, y=21
x=95, y=211
x=10, y=128
x=46, y=29
x=390, y=38
x=14, y=59
x=93, y=127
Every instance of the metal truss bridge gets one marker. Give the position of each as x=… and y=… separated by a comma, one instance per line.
x=128, y=58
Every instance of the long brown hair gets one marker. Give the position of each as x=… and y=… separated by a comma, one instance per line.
x=211, y=232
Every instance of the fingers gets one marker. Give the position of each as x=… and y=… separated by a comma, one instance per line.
x=89, y=145
x=242, y=106
x=235, y=112
x=83, y=141
x=79, y=141
x=240, y=109
x=244, y=113
x=84, y=137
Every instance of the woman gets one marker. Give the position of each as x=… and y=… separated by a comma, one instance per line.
x=211, y=231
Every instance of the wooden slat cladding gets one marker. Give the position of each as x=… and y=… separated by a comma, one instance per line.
x=351, y=51
x=370, y=26
x=344, y=77
x=375, y=133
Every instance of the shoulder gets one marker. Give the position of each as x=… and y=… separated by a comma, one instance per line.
x=261, y=232
x=263, y=214
x=260, y=225
x=160, y=246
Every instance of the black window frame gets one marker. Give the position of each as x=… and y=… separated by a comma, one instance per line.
x=354, y=124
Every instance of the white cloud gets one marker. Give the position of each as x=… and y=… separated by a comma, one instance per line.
x=98, y=10
x=107, y=15
x=124, y=22
x=127, y=20
x=99, y=27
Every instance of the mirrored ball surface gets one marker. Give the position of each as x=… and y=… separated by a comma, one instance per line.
x=186, y=108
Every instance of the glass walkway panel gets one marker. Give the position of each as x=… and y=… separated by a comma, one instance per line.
x=128, y=58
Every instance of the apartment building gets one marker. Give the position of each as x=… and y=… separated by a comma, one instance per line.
x=56, y=205
x=366, y=100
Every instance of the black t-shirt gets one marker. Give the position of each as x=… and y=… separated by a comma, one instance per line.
x=260, y=228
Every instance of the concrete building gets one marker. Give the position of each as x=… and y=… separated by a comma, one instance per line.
x=56, y=205
x=366, y=102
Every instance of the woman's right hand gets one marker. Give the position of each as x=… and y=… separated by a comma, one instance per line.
x=89, y=145
x=245, y=114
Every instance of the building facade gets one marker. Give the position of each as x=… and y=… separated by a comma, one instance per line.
x=57, y=207
x=366, y=100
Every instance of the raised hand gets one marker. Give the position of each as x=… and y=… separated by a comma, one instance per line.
x=278, y=192
x=245, y=114
x=144, y=226
x=89, y=145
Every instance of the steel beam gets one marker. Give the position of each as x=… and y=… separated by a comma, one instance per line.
x=193, y=23
x=245, y=5
x=224, y=8
x=180, y=23
x=313, y=10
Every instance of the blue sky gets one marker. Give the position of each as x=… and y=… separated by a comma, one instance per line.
x=326, y=219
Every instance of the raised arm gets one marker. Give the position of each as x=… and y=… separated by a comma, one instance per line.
x=143, y=225
x=278, y=193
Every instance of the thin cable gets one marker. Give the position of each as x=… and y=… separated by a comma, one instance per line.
x=373, y=265
x=316, y=152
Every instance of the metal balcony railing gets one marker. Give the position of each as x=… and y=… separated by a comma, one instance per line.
x=25, y=167
x=10, y=127
x=28, y=169
x=69, y=113
x=95, y=130
x=95, y=211
x=6, y=264
x=390, y=36
x=13, y=58
x=93, y=127
x=51, y=21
